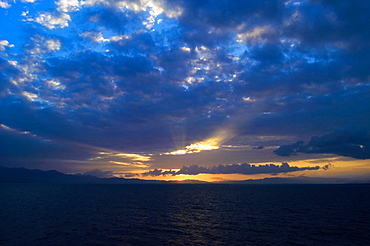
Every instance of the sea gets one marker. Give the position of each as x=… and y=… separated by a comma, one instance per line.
x=184, y=214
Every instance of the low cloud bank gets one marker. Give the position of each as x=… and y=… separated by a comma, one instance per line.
x=244, y=168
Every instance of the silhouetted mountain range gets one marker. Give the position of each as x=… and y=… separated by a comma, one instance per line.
x=23, y=175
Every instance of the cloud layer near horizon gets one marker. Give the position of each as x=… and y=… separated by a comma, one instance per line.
x=155, y=76
x=244, y=168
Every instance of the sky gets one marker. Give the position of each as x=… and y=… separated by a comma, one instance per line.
x=210, y=90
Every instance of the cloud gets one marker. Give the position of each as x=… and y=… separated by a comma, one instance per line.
x=53, y=20
x=232, y=169
x=41, y=44
x=327, y=166
x=158, y=172
x=154, y=8
x=287, y=150
x=254, y=35
x=352, y=141
x=123, y=159
x=327, y=21
x=99, y=173
x=5, y=43
x=19, y=145
x=212, y=143
x=309, y=114
x=68, y=5
x=4, y=5
x=95, y=36
x=258, y=147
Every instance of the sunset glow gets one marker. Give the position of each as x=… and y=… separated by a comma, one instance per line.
x=185, y=122
x=176, y=90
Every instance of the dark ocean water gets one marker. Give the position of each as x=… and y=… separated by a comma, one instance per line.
x=39, y=214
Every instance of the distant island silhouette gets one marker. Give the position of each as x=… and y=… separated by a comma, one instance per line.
x=24, y=175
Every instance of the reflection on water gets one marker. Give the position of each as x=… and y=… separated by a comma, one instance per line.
x=184, y=215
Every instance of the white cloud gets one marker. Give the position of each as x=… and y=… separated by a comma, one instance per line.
x=30, y=96
x=254, y=35
x=55, y=84
x=249, y=99
x=52, y=22
x=292, y=3
x=28, y=1
x=68, y=5
x=95, y=36
x=187, y=49
x=4, y=5
x=52, y=44
x=5, y=43
x=154, y=8
x=42, y=45
x=13, y=63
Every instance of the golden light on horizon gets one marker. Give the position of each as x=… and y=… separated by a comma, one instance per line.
x=120, y=155
x=212, y=143
x=205, y=177
x=134, y=157
x=330, y=167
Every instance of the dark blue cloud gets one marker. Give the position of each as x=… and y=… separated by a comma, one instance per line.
x=309, y=114
x=7, y=72
x=330, y=21
x=352, y=141
x=23, y=148
x=224, y=14
x=110, y=18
